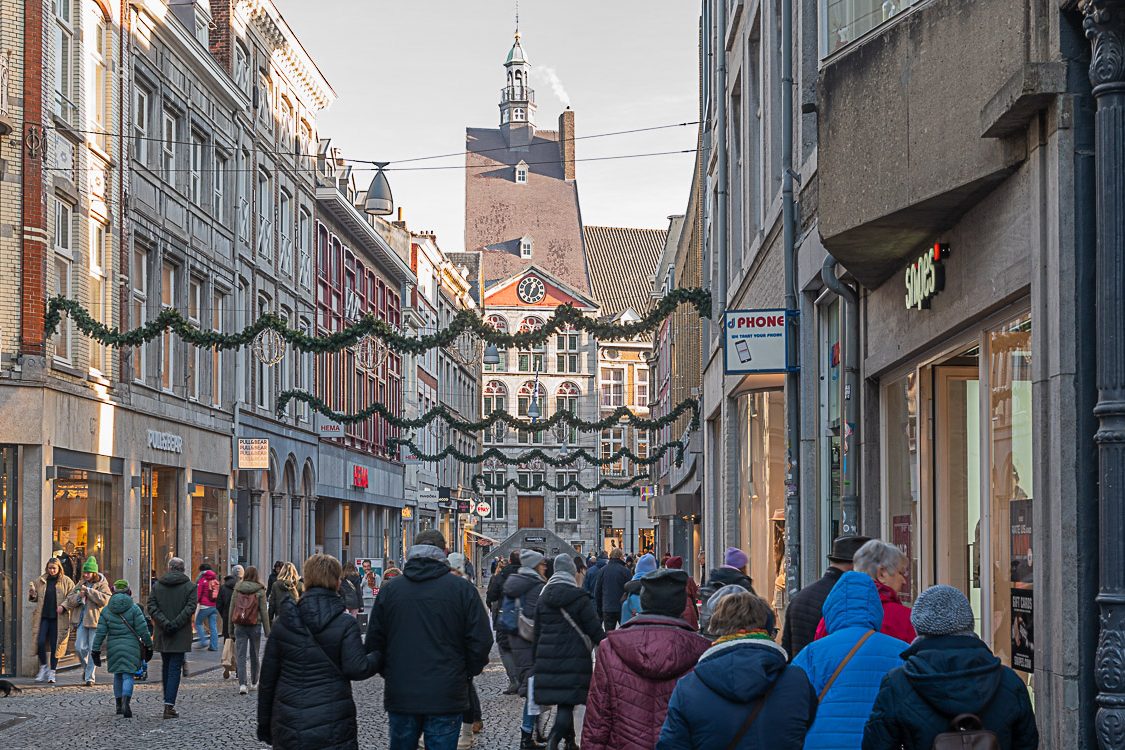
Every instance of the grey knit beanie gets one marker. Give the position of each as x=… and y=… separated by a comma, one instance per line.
x=529, y=558
x=564, y=563
x=942, y=610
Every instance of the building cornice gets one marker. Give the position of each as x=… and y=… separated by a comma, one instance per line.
x=288, y=52
x=335, y=204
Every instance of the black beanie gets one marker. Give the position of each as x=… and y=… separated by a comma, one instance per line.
x=664, y=592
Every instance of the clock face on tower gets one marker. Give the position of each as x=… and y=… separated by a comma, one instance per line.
x=531, y=290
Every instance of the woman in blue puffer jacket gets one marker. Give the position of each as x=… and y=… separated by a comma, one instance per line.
x=852, y=610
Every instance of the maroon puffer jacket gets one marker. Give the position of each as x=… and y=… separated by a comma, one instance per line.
x=634, y=676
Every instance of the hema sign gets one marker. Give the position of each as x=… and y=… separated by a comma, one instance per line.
x=754, y=341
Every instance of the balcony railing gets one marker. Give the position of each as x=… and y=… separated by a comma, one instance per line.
x=517, y=94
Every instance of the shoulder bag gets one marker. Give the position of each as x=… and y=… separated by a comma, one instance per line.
x=844, y=663
x=758, y=706
x=146, y=651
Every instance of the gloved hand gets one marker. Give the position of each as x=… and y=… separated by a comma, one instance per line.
x=97, y=657
x=170, y=629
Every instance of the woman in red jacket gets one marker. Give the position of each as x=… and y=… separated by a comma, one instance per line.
x=887, y=564
x=638, y=666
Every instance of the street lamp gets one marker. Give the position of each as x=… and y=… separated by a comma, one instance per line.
x=491, y=355
x=379, y=201
x=533, y=409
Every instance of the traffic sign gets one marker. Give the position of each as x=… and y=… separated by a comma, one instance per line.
x=484, y=508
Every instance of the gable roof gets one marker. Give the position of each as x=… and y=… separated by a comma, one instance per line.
x=470, y=261
x=502, y=293
x=622, y=260
x=499, y=212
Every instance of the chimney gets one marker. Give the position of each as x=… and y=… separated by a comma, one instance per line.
x=566, y=142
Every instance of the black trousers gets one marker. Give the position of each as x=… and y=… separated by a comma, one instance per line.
x=47, y=641
x=563, y=728
x=610, y=620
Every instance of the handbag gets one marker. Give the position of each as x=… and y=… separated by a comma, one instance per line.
x=146, y=651
x=227, y=660
x=585, y=638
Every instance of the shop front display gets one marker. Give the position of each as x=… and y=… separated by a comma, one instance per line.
x=762, y=491
x=87, y=520
x=210, y=514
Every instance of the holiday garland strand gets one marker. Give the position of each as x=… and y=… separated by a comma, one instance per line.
x=480, y=481
x=500, y=415
x=539, y=453
x=465, y=320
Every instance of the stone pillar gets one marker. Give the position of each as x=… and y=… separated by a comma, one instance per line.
x=310, y=523
x=1105, y=27
x=273, y=529
x=296, y=537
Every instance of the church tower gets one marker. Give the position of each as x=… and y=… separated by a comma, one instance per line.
x=517, y=99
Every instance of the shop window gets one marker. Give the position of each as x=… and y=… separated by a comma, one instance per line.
x=87, y=520
x=761, y=508
x=844, y=21
x=159, y=522
x=901, y=474
x=9, y=558
x=209, y=513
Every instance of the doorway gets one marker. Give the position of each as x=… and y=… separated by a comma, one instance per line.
x=531, y=512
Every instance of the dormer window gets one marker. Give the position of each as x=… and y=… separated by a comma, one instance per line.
x=518, y=115
x=525, y=247
x=521, y=173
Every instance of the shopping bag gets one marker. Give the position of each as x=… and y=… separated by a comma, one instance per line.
x=227, y=662
x=532, y=707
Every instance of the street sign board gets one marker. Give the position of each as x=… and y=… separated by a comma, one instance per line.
x=253, y=453
x=754, y=341
x=484, y=508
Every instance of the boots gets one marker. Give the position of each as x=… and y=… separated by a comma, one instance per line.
x=527, y=741
x=509, y=663
x=170, y=711
x=127, y=711
x=465, y=741
x=119, y=705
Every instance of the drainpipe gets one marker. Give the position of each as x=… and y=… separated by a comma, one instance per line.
x=849, y=432
x=792, y=341
x=719, y=247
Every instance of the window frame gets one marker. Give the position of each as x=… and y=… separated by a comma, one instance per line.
x=168, y=272
x=138, y=260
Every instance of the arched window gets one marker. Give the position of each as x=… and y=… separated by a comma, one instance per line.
x=566, y=399
x=495, y=399
x=531, y=392
x=500, y=325
x=517, y=114
x=532, y=359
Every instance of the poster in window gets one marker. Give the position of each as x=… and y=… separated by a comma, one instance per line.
x=1019, y=514
x=1023, y=632
x=902, y=534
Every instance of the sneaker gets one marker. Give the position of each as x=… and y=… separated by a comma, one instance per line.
x=242, y=690
x=42, y=675
x=89, y=683
x=50, y=677
x=170, y=712
x=465, y=739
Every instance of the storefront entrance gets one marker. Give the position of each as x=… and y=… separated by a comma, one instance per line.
x=762, y=491
x=957, y=479
x=160, y=499
x=10, y=584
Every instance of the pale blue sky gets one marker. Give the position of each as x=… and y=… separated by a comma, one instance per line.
x=410, y=75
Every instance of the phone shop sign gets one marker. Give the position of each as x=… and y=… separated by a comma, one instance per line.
x=754, y=341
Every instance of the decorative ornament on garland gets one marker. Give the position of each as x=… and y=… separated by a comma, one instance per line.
x=481, y=484
x=269, y=347
x=463, y=321
x=370, y=353
x=538, y=454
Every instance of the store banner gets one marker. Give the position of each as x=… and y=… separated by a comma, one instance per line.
x=754, y=341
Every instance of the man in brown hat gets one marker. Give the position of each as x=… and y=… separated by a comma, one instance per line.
x=803, y=613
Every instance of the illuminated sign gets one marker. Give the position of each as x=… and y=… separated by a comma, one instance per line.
x=359, y=476
x=925, y=277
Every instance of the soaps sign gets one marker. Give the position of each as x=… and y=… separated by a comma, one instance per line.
x=754, y=341
x=925, y=277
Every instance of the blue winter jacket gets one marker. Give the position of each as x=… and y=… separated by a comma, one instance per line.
x=631, y=606
x=852, y=608
x=710, y=704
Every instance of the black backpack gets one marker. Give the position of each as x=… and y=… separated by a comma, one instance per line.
x=968, y=733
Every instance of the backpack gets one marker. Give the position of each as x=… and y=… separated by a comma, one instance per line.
x=213, y=589
x=968, y=734
x=705, y=593
x=512, y=620
x=245, y=609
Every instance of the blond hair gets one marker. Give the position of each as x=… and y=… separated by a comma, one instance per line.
x=736, y=612
x=288, y=574
x=323, y=571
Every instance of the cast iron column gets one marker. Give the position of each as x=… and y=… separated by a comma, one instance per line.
x=1105, y=27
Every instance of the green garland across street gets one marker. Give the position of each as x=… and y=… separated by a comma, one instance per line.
x=540, y=454
x=369, y=325
x=622, y=413
x=480, y=481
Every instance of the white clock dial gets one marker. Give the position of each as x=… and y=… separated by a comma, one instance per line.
x=531, y=290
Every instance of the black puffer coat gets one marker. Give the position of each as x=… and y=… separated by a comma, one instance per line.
x=804, y=612
x=305, y=694
x=226, y=593
x=562, y=658
x=523, y=584
x=432, y=631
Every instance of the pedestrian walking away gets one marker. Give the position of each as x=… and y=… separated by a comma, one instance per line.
x=631, y=604
x=691, y=609
x=887, y=565
x=741, y=694
x=431, y=631
x=207, y=593
x=124, y=632
x=493, y=599
x=804, y=611
x=847, y=666
x=567, y=629
x=638, y=666
x=949, y=672
x=352, y=576
x=226, y=594
x=249, y=617
x=49, y=593
x=313, y=654
x=472, y=721
x=85, y=603
x=171, y=605
x=517, y=613
x=610, y=588
x=287, y=585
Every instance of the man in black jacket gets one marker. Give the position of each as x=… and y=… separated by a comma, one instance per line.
x=610, y=588
x=432, y=631
x=493, y=599
x=804, y=611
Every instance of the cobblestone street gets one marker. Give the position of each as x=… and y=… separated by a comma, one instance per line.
x=212, y=714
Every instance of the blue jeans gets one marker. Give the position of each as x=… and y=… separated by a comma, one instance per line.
x=441, y=731
x=83, y=640
x=122, y=685
x=528, y=720
x=171, y=668
x=211, y=615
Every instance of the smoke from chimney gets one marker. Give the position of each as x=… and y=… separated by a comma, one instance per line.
x=552, y=78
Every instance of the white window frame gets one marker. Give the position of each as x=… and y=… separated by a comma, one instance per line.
x=168, y=146
x=219, y=184
x=140, y=125
x=99, y=78
x=304, y=245
x=64, y=54
x=612, y=440
x=100, y=275
x=305, y=372
x=195, y=316
x=264, y=375
x=526, y=246
x=139, y=281
x=640, y=386
x=521, y=173
x=245, y=185
x=265, y=214
x=64, y=275
x=167, y=340
x=241, y=66
x=496, y=493
x=218, y=303
x=612, y=387
x=568, y=347
x=195, y=181
x=284, y=229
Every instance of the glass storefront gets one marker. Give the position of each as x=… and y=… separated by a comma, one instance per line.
x=960, y=469
x=210, y=509
x=10, y=585
x=160, y=494
x=831, y=419
x=87, y=520
x=761, y=509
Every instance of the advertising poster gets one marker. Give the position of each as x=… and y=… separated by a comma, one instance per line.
x=371, y=570
x=901, y=536
x=1023, y=632
x=1020, y=540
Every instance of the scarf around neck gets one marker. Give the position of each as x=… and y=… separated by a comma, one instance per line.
x=560, y=577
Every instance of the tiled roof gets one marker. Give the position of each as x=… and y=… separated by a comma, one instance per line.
x=622, y=260
x=470, y=261
x=499, y=212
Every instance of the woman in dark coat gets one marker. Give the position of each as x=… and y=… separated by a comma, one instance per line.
x=524, y=586
x=566, y=630
x=313, y=653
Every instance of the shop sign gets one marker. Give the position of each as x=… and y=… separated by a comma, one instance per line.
x=428, y=496
x=359, y=476
x=535, y=540
x=464, y=506
x=754, y=341
x=165, y=441
x=407, y=513
x=925, y=277
x=484, y=508
x=253, y=453
x=331, y=429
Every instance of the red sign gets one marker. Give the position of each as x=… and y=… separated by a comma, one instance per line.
x=359, y=476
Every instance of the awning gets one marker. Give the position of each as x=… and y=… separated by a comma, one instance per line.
x=488, y=539
x=685, y=502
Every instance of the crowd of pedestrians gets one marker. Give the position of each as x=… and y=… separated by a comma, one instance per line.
x=658, y=660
